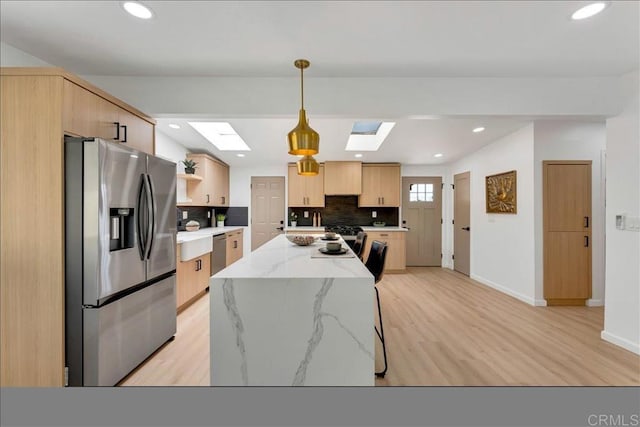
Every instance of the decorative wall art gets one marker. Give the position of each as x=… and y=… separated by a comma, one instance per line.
x=501, y=193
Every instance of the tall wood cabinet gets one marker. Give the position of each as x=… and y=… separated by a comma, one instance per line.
x=38, y=106
x=380, y=185
x=213, y=190
x=305, y=191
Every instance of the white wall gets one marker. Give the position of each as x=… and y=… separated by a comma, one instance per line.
x=13, y=57
x=622, y=291
x=502, y=246
x=572, y=140
x=170, y=149
x=447, y=203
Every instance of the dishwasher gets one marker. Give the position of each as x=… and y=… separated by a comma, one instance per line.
x=219, y=253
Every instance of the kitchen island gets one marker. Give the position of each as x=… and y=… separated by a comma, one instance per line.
x=281, y=316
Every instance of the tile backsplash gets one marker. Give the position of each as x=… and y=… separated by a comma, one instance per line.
x=344, y=210
x=236, y=215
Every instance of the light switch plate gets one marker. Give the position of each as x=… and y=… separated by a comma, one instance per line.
x=306, y=214
x=185, y=214
x=374, y=214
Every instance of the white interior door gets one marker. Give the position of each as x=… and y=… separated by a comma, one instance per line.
x=267, y=209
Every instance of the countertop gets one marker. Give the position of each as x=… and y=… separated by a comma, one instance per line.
x=279, y=258
x=189, y=236
x=364, y=227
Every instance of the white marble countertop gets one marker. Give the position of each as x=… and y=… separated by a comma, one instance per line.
x=280, y=258
x=188, y=236
x=364, y=227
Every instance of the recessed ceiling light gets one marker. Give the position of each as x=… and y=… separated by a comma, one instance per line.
x=222, y=135
x=478, y=129
x=368, y=136
x=358, y=155
x=137, y=9
x=174, y=126
x=438, y=155
x=589, y=10
x=240, y=155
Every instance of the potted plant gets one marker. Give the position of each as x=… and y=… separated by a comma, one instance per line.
x=220, y=219
x=189, y=166
x=294, y=219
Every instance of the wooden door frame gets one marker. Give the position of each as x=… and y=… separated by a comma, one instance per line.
x=545, y=223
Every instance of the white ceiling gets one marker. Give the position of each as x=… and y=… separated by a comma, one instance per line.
x=342, y=39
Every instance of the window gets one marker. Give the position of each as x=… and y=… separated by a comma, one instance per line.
x=421, y=193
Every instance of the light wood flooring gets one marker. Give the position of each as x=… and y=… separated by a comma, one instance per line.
x=443, y=329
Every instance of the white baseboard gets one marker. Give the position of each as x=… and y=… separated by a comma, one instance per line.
x=621, y=342
x=541, y=303
x=595, y=303
x=504, y=290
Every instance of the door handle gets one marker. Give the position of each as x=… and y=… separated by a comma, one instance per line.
x=586, y=241
x=125, y=134
x=586, y=222
x=466, y=228
x=280, y=228
x=117, y=131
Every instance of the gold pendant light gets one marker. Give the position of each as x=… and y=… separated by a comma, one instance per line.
x=308, y=166
x=302, y=139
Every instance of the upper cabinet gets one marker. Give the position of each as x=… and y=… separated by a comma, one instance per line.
x=305, y=191
x=342, y=178
x=86, y=114
x=380, y=185
x=213, y=190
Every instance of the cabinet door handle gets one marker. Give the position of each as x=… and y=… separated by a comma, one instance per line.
x=384, y=235
x=125, y=133
x=223, y=199
x=207, y=198
x=235, y=244
x=197, y=264
x=383, y=200
x=586, y=222
x=117, y=138
x=586, y=241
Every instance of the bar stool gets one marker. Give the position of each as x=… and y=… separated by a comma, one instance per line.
x=358, y=246
x=375, y=264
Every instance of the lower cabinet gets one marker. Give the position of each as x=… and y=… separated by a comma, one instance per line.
x=234, y=246
x=396, y=248
x=192, y=278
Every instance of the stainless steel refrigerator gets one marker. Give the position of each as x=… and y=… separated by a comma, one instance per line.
x=120, y=259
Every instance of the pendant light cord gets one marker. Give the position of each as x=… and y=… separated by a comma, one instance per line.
x=301, y=88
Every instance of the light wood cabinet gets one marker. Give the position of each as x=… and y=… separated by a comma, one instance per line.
x=342, y=178
x=380, y=185
x=192, y=278
x=396, y=250
x=213, y=190
x=305, y=191
x=86, y=114
x=234, y=246
x=38, y=106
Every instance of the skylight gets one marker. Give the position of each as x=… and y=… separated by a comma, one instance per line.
x=368, y=136
x=365, y=128
x=222, y=135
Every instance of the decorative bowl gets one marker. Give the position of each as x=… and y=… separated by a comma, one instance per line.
x=379, y=224
x=192, y=226
x=301, y=239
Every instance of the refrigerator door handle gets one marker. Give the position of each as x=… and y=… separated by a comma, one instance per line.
x=149, y=205
x=152, y=217
x=141, y=226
